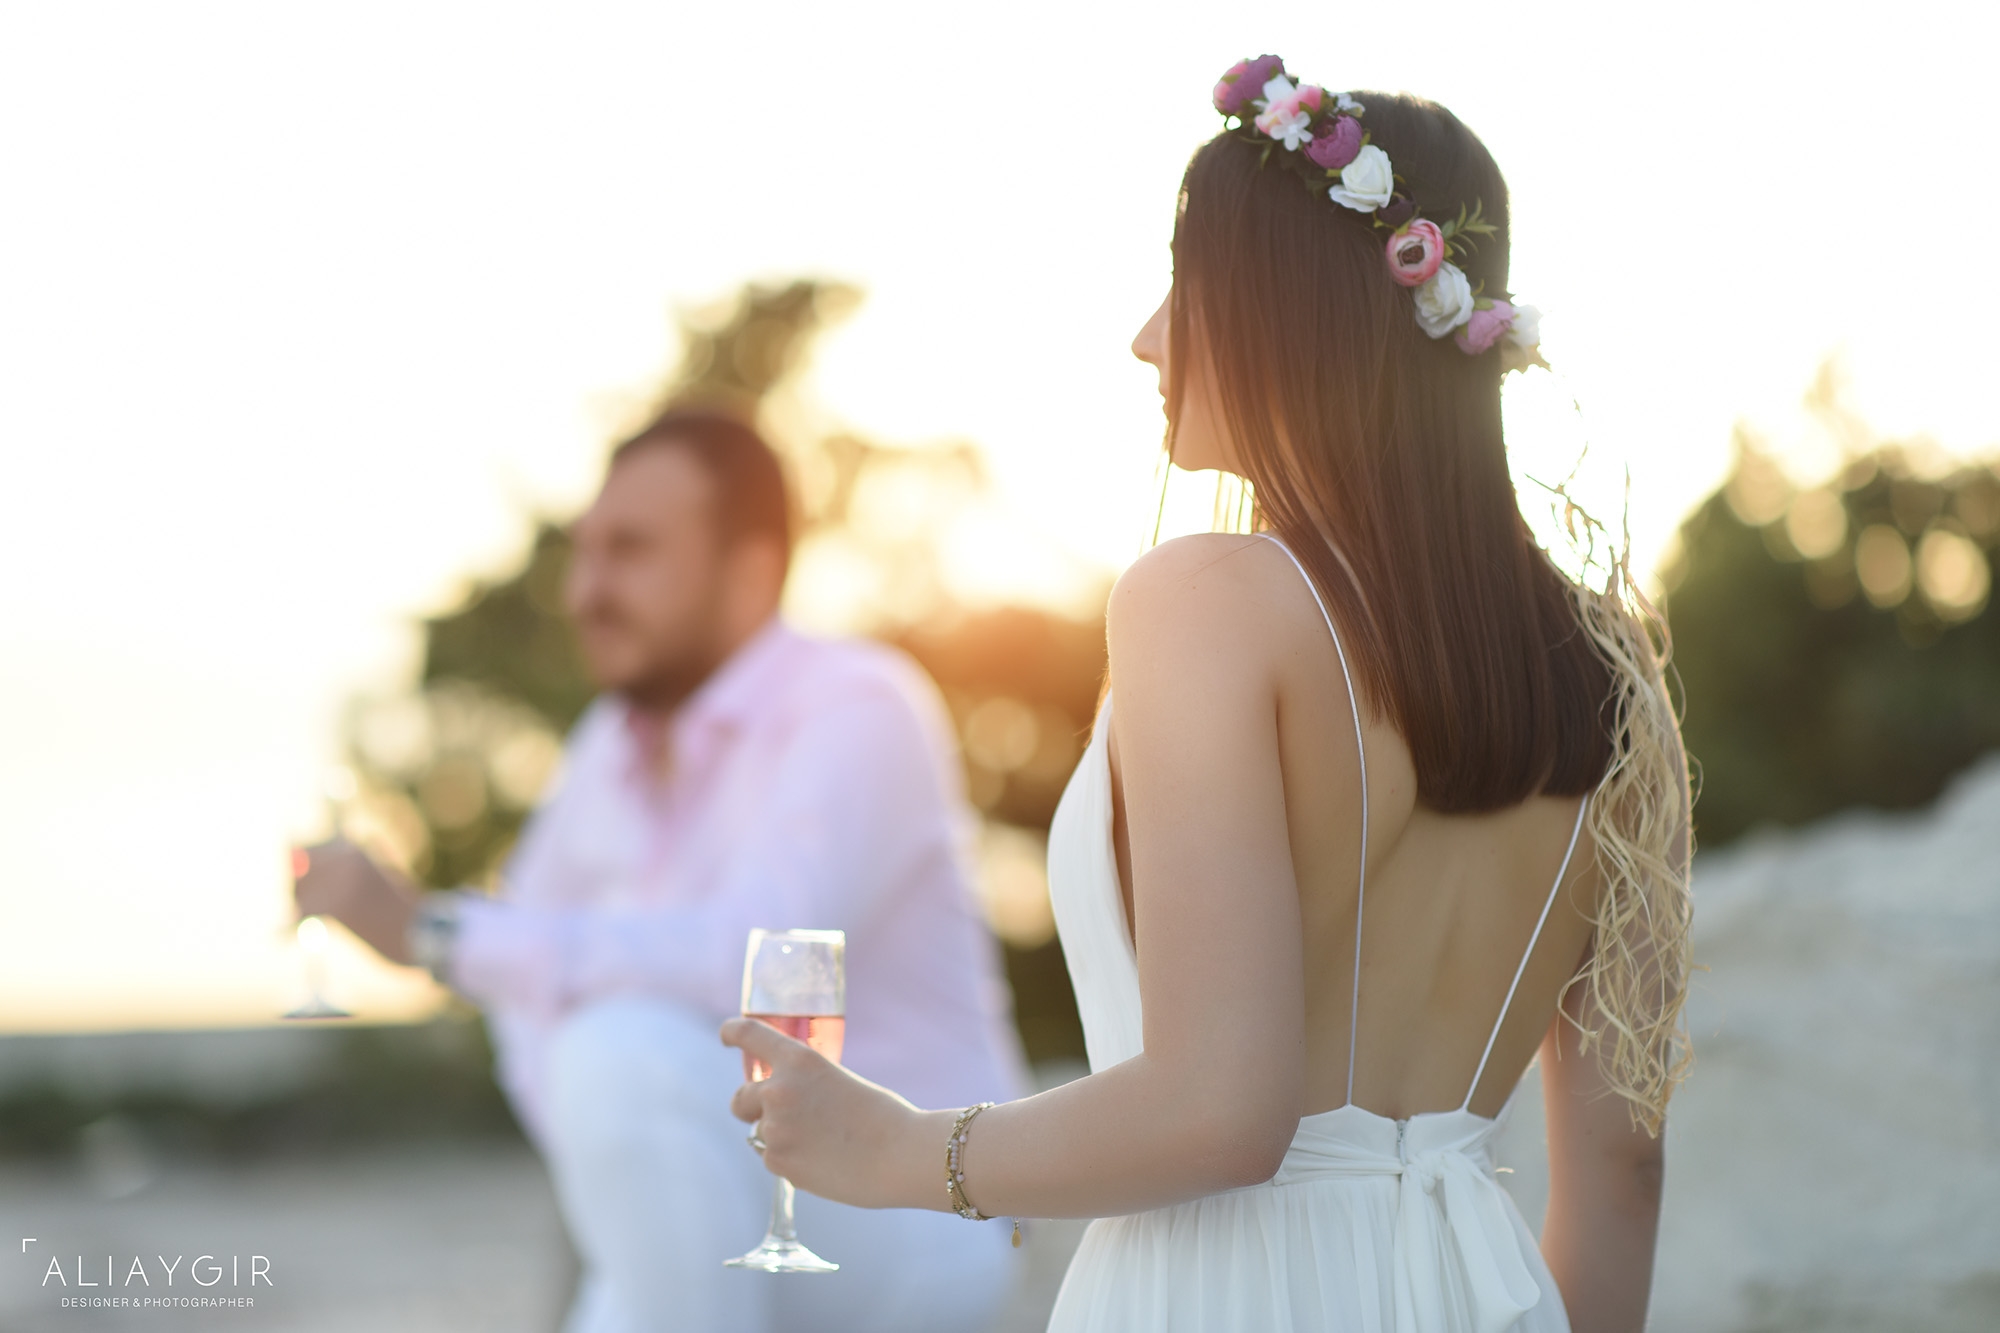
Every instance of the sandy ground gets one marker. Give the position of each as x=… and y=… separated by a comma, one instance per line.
x=393, y=1241
x=405, y=1241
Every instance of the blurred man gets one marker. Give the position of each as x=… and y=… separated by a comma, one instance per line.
x=735, y=774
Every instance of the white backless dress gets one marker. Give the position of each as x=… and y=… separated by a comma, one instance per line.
x=1371, y=1225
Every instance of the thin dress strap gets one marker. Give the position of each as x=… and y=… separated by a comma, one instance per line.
x=1361, y=751
x=1533, y=940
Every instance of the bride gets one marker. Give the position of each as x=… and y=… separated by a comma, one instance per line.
x=1379, y=807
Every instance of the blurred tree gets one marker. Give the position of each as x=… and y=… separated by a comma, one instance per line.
x=1023, y=687
x=449, y=773
x=1835, y=642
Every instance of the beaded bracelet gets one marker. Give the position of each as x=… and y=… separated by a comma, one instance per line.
x=954, y=1170
x=954, y=1166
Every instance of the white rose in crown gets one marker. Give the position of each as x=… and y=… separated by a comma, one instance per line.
x=1444, y=301
x=1277, y=89
x=1522, y=345
x=1526, y=330
x=1366, y=183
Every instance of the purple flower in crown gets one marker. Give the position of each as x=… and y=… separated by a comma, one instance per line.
x=1335, y=145
x=1243, y=83
x=1396, y=212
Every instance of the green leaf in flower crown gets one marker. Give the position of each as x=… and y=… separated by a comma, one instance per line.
x=1473, y=225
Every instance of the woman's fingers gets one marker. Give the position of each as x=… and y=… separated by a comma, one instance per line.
x=768, y=1046
x=819, y=1126
x=761, y=1041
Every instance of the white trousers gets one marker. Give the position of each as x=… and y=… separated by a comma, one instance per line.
x=658, y=1187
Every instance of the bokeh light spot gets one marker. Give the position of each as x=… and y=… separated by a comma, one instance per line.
x=1953, y=573
x=1882, y=561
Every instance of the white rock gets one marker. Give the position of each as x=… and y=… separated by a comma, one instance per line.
x=1834, y=1162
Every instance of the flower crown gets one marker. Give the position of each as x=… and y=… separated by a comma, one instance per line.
x=1323, y=141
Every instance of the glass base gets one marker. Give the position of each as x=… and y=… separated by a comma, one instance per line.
x=782, y=1256
x=318, y=1008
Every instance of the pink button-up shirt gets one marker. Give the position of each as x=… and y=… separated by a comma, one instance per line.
x=807, y=784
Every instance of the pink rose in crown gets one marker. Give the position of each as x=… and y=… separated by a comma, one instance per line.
x=1243, y=82
x=1335, y=145
x=1484, y=328
x=1415, y=253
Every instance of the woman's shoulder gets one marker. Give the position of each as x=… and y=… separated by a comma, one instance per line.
x=1210, y=593
x=1209, y=576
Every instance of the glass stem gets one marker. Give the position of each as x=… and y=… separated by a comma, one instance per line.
x=782, y=1197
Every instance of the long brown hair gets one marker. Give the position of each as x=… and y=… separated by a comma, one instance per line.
x=1378, y=454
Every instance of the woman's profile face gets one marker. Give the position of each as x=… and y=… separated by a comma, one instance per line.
x=1201, y=439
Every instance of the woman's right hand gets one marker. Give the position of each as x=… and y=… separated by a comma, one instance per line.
x=833, y=1133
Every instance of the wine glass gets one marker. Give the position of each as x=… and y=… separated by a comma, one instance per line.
x=337, y=792
x=796, y=982
x=313, y=942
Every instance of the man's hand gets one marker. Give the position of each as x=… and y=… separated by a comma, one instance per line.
x=336, y=879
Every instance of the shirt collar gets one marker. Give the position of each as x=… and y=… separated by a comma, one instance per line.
x=733, y=691
x=732, y=694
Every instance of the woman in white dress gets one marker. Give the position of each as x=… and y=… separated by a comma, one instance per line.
x=1379, y=805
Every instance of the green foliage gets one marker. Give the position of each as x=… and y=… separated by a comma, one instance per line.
x=510, y=636
x=737, y=357
x=1458, y=231
x=1023, y=688
x=1863, y=670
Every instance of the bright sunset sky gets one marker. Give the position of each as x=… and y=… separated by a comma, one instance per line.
x=305, y=311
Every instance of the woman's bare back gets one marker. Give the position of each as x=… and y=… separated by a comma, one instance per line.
x=1452, y=900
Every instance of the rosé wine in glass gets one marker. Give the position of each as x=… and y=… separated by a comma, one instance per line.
x=823, y=1032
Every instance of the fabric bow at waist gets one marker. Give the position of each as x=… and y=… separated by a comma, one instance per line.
x=1457, y=1257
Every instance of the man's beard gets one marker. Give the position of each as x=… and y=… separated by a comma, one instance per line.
x=666, y=685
